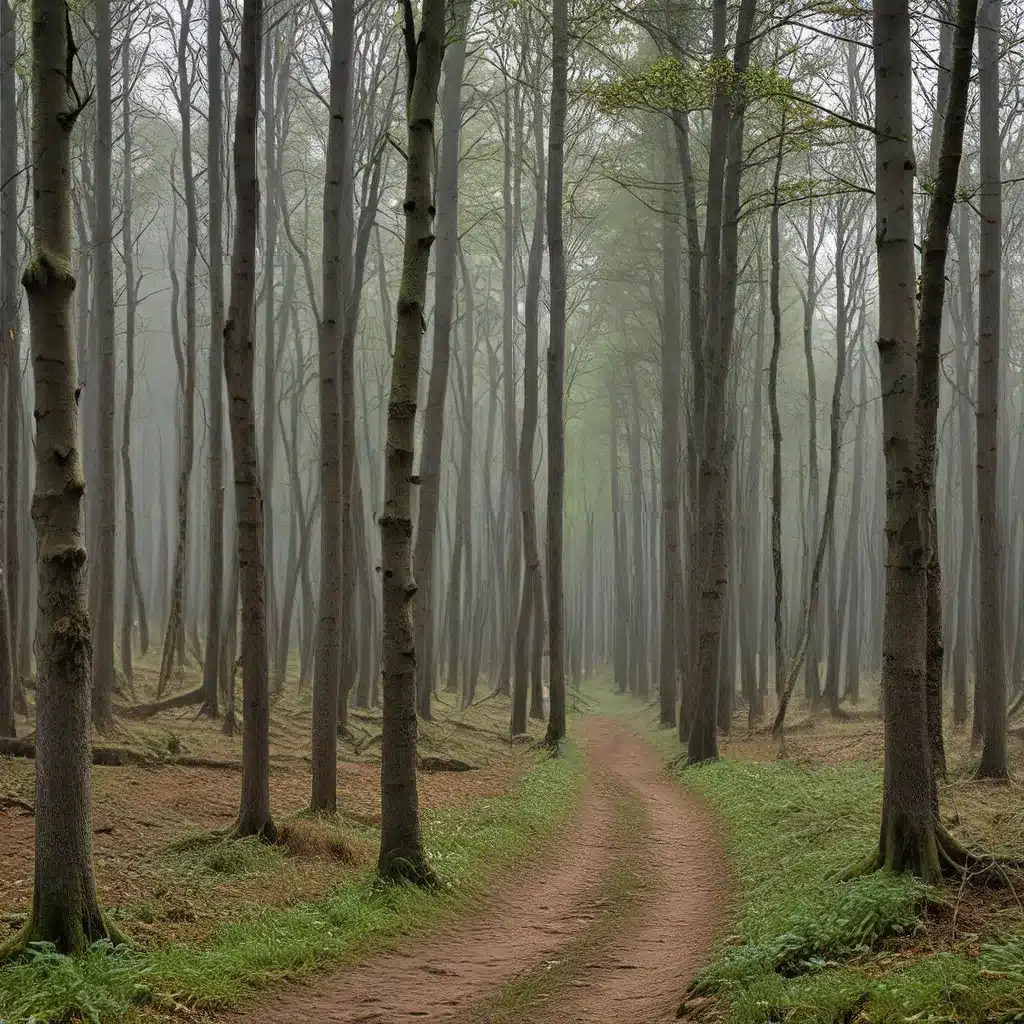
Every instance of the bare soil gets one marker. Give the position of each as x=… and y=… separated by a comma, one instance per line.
x=634, y=973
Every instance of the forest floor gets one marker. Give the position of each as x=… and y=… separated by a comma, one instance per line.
x=596, y=887
x=608, y=925
x=158, y=871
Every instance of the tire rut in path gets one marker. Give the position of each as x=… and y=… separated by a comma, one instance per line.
x=638, y=979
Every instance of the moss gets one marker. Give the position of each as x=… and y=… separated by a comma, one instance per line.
x=44, y=267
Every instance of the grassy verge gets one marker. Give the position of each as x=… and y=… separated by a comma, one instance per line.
x=808, y=949
x=358, y=917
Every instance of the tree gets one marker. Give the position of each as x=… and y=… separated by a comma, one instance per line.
x=991, y=680
x=911, y=838
x=9, y=355
x=401, y=842
x=444, y=308
x=556, y=372
x=106, y=501
x=254, y=812
x=215, y=241
x=336, y=272
x=182, y=87
x=65, y=909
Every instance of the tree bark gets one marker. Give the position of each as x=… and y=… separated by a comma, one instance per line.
x=106, y=491
x=336, y=269
x=990, y=688
x=65, y=909
x=254, y=811
x=401, y=842
x=444, y=307
x=556, y=374
x=10, y=367
x=215, y=412
x=671, y=371
x=174, y=635
x=529, y=613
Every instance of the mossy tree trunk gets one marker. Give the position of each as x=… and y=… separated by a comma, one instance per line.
x=401, y=842
x=65, y=909
x=254, y=812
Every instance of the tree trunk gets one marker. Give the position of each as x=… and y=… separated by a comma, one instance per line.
x=133, y=597
x=174, y=635
x=444, y=305
x=215, y=413
x=10, y=368
x=556, y=375
x=671, y=371
x=529, y=613
x=254, y=811
x=336, y=269
x=65, y=909
x=721, y=260
x=106, y=490
x=990, y=688
x=908, y=839
x=401, y=843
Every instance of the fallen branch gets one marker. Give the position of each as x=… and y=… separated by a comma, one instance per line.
x=10, y=800
x=123, y=757
x=184, y=700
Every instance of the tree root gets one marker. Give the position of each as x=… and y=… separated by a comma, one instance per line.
x=18, y=944
x=955, y=861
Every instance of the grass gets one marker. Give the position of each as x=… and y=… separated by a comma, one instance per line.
x=807, y=948
x=464, y=844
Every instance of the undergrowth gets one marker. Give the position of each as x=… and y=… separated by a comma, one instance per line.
x=810, y=949
x=358, y=917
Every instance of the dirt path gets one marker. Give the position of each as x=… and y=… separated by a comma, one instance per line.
x=632, y=820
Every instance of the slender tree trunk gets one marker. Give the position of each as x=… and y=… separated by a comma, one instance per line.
x=10, y=369
x=336, y=269
x=444, y=307
x=671, y=371
x=401, y=843
x=215, y=413
x=239, y=364
x=991, y=684
x=529, y=613
x=174, y=636
x=134, y=598
x=65, y=909
x=965, y=588
x=106, y=499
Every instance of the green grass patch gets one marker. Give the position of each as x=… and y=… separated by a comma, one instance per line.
x=465, y=845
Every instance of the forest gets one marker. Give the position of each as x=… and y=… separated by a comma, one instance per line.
x=511, y=511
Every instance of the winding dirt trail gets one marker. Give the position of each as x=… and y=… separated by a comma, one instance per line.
x=633, y=970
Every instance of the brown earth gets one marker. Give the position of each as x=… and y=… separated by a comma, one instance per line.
x=628, y=954
x=161, y=893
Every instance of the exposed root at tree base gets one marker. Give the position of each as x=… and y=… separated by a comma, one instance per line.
x=955, y=861
x=19, y=944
